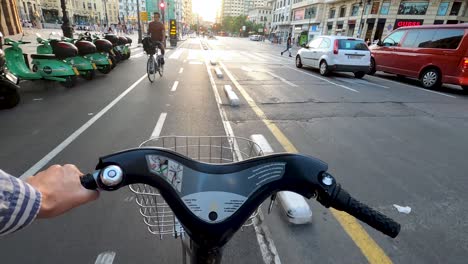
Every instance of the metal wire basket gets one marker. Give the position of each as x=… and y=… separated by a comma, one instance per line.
x=156, y=213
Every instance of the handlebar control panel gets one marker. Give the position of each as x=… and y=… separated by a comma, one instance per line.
x=213, y=197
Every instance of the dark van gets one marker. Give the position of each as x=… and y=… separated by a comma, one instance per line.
x=434, y=54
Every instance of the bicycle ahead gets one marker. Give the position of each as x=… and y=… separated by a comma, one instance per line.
x=154, y=64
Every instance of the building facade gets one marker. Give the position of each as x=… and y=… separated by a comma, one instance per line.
x=281, y=20
x=234, y=8
x=10, y=23
x=261, y=15
x=372, y=19
x=128, y=10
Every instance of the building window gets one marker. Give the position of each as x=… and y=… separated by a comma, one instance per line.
x=384, y=8
x=355, y=10
x=455, y=8
x=332, y=13
x=343, y=11
x=413, y=8
x=299, y=14
x=443, y=7
x=375, y=8
x=310, y=12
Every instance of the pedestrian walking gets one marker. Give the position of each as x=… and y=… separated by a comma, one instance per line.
x=288, y=46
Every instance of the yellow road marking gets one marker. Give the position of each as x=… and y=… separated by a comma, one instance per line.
x=371, y=250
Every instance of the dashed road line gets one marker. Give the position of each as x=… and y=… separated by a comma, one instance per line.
x=323, y=79
x=174, y=86
x=282, y=79
x=159, y=125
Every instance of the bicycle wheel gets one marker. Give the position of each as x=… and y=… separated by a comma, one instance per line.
x=151, y=68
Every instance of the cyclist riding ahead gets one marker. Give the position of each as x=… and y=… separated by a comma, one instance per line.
x=158, y=33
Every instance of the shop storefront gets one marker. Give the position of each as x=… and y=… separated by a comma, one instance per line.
x=50, y=15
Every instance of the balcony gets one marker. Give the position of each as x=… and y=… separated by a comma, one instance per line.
x=307, y=3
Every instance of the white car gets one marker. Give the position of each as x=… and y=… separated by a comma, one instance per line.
x=254, y=37
x=335, y=53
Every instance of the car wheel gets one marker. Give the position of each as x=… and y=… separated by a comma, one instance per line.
x=298, y=62
x=430, y=78
x=359, y=74
x=324, y=68
x=372, y=68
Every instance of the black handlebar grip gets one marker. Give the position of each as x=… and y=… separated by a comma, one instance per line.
x=344, y=202
x=88, y=182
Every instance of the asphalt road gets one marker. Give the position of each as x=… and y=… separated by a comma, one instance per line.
x=386, y=140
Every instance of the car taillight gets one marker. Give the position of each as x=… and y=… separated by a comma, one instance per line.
x=335, y=47
x=465, y=63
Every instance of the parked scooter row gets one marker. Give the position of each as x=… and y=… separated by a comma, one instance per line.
x=61, y=60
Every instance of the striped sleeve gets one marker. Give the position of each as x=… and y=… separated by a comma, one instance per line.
x=19, y=203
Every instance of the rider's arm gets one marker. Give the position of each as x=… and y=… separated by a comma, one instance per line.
x=19, y=203
x=47, y=194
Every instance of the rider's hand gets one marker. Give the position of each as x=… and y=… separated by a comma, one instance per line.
x=61, y=190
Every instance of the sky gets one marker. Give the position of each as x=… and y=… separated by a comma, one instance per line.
x=206, y=8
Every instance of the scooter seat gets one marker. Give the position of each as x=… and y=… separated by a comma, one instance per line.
x=43, y=56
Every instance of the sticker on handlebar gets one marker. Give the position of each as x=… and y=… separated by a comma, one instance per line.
x=170, y=170
x=214, y=197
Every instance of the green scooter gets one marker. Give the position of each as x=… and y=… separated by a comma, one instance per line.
x=85, y=66
x=99, y=55
x=45, y=67
x=105, y=54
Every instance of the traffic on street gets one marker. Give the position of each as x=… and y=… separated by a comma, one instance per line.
x=393, y=144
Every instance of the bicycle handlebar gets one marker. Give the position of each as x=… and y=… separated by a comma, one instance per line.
x=343, y=201
x=254, y=179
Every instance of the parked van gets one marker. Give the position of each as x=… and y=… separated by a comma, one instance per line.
x=434, y=54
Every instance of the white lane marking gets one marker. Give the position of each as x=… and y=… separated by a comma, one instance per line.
x=196, y=62
x=272, y=57
x=247, y=69
x=181, y=70
x=282, y=79
x=37, y=99
x=434, y=92
x=255, y=58
x=174, y=86
x=106, y=257
x=358, y=81
x=411, y=86
x=176, y=55
x=41, y=163
x=323, y=79
x=137, y=55
x=265, y=242
x=371, y=83
x=419, y=88
x=159, y=125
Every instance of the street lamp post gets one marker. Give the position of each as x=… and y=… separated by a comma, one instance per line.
x=66, y=28
x=138, y=21
x=105, y=10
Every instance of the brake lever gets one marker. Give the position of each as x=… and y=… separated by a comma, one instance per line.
x=272, y=200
